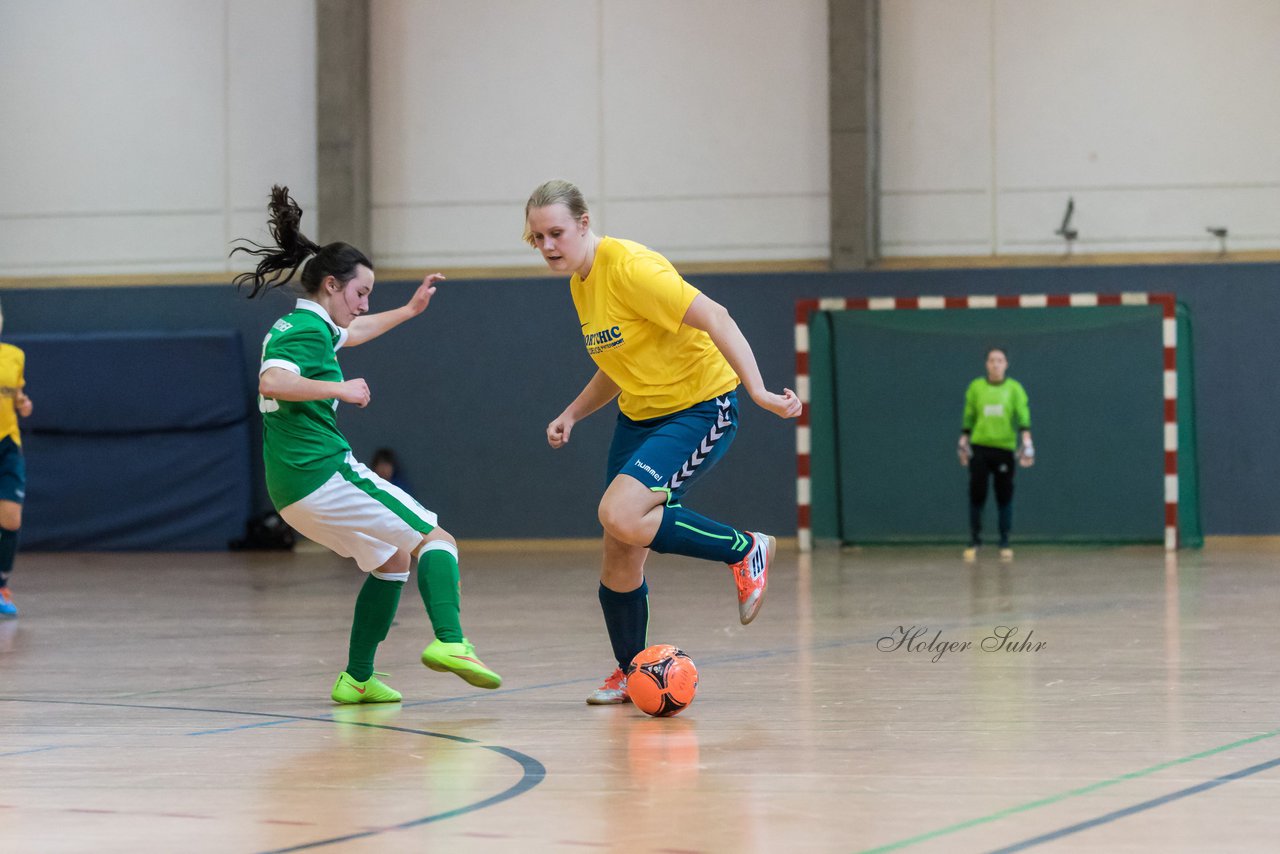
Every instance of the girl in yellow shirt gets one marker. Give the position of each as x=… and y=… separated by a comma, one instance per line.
x=13, y=471
x=674, y=358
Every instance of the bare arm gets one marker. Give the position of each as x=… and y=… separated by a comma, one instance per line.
x=711, y=317
x=370, y=326
x=282, y=384
x=598, y=391
x=22, y=403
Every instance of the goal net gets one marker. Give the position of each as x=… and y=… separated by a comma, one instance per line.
x=1109, y=378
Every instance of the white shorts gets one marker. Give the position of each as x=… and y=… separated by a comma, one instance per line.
x=358, y=514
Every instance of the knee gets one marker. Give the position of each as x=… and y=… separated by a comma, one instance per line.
x=10, y=515
x=438, y=540
x=439, y=535
x=620, y=521
x=395, y=569
x=609, y=517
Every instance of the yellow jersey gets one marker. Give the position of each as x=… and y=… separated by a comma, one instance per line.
x=631, y=307
x=12, y=363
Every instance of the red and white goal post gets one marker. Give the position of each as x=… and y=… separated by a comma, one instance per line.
x=806, y=307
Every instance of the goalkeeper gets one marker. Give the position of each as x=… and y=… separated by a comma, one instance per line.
x=995, y=439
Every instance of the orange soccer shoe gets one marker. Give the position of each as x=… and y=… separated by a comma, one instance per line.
x=751, y=574
x=612, y=692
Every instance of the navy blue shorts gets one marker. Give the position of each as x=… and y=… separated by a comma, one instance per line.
x=13, y=471
x=673, y=451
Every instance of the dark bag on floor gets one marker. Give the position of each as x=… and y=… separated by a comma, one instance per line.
x=267, y=532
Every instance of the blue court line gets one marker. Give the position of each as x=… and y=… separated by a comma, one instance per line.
x=32, y=750
x=526, y=783
x=533, y=771
x=1142, y=807
x=1002, y=617
x=168, y=692
x=1072, y=793
x=238, y=728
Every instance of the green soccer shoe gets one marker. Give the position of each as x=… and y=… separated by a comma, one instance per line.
x=347, y=690
x=460, y=658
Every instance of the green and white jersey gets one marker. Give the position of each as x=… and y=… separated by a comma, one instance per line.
x=994, y=412
x=301, y=444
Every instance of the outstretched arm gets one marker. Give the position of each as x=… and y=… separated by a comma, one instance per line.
x=370, y=326
x=714, y=319
x=598, y=391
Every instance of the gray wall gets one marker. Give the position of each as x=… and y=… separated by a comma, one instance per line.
x=464, y=392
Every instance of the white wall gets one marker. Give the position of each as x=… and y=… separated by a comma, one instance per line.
x=150, y=131
x=144, y=135
x=1160, y=118
x=699, y=128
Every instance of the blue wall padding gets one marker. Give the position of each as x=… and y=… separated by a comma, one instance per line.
x=464, y=393
x=138, y=441
x=113, y=382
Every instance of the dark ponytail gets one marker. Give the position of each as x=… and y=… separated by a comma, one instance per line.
x=280, y=262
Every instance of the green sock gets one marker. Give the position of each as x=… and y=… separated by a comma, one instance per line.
x=441, y=589
x=375, y=609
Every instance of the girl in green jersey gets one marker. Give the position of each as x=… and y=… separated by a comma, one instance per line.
x=996, y=415
x=313, y=479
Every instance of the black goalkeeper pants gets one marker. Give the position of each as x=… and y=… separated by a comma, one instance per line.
x=991, y=464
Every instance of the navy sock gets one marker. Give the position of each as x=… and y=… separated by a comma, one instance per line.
x=684, y=532
x=626, y=616
x=8, y=548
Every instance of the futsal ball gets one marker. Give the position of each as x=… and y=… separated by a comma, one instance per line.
x=662, y=680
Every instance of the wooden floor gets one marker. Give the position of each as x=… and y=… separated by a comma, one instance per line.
x=179, y=703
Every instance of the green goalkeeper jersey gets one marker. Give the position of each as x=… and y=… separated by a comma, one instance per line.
x=301, y=444
x=995, y=412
